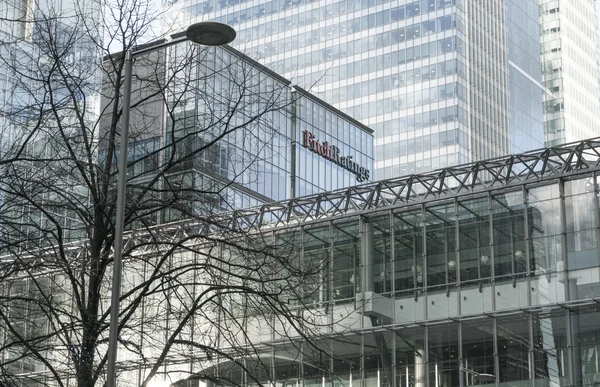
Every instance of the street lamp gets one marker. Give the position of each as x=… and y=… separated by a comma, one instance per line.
x=480, y=377
x=205, y=33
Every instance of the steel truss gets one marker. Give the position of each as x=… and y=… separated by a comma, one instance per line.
x=531, y=167
x=535, y=166
x=502, y=172
x=562, y=162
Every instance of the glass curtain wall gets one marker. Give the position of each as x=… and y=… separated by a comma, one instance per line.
x=523, y=349
x=465, y=278
x=504, y=283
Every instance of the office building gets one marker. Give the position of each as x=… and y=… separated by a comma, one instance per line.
x=451, y=279
x=39, y=70
x=279, y=142
x=200, y=156
x=440, y=279
x=441, y=82
x=569, y=31
x=291, y=144
x=25, y=51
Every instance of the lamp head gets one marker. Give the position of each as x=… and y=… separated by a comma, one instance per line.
x=210, y=33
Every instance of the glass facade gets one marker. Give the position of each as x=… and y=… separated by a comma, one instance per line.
x=23, y=49
x=568, y=33
x=431, y=77
x=243, y=156
x=246, y=158
x=269, y=160
x=315, y=172
x=29, y=83
x=450, y=288
x=503, y=283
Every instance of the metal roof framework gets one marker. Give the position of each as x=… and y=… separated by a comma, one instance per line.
x=502, y=172
x=547, y=164
x=562, y=162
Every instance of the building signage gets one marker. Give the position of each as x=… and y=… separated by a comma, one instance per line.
x=332, y=153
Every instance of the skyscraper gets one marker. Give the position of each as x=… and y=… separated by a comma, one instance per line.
x=440, y=81
x=570, y=70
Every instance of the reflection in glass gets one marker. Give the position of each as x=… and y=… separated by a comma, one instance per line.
x=510, y=256
x=378, y=347
x=550, y=348
x=347, y=360
x=543, y=212
x=287, y=361
x=441, y=245
x=382, y=265
x=582, y=240
x=443, y=355
x=586, y=333
x=315, y=362
x=513, y=348
x=315, y=259
x=410, y=357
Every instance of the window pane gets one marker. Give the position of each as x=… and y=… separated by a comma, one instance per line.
x=509, y=234
x=474, y=239
x=478, y=348
x=513, y=348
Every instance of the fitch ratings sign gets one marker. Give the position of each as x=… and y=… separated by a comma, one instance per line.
x=332, y=153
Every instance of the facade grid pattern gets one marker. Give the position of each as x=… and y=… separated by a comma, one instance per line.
x=493, y=268
x=379, y=61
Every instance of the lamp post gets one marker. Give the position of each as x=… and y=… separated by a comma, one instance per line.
x=207, y=34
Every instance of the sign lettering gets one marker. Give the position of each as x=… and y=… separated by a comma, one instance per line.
x=332, y=153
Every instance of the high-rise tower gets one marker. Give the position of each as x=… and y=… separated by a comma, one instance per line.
x=570, y=70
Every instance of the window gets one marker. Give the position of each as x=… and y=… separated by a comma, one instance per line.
x=397, y=13
x=412, y=9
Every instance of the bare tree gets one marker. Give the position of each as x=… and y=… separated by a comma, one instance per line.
x=197, y=299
